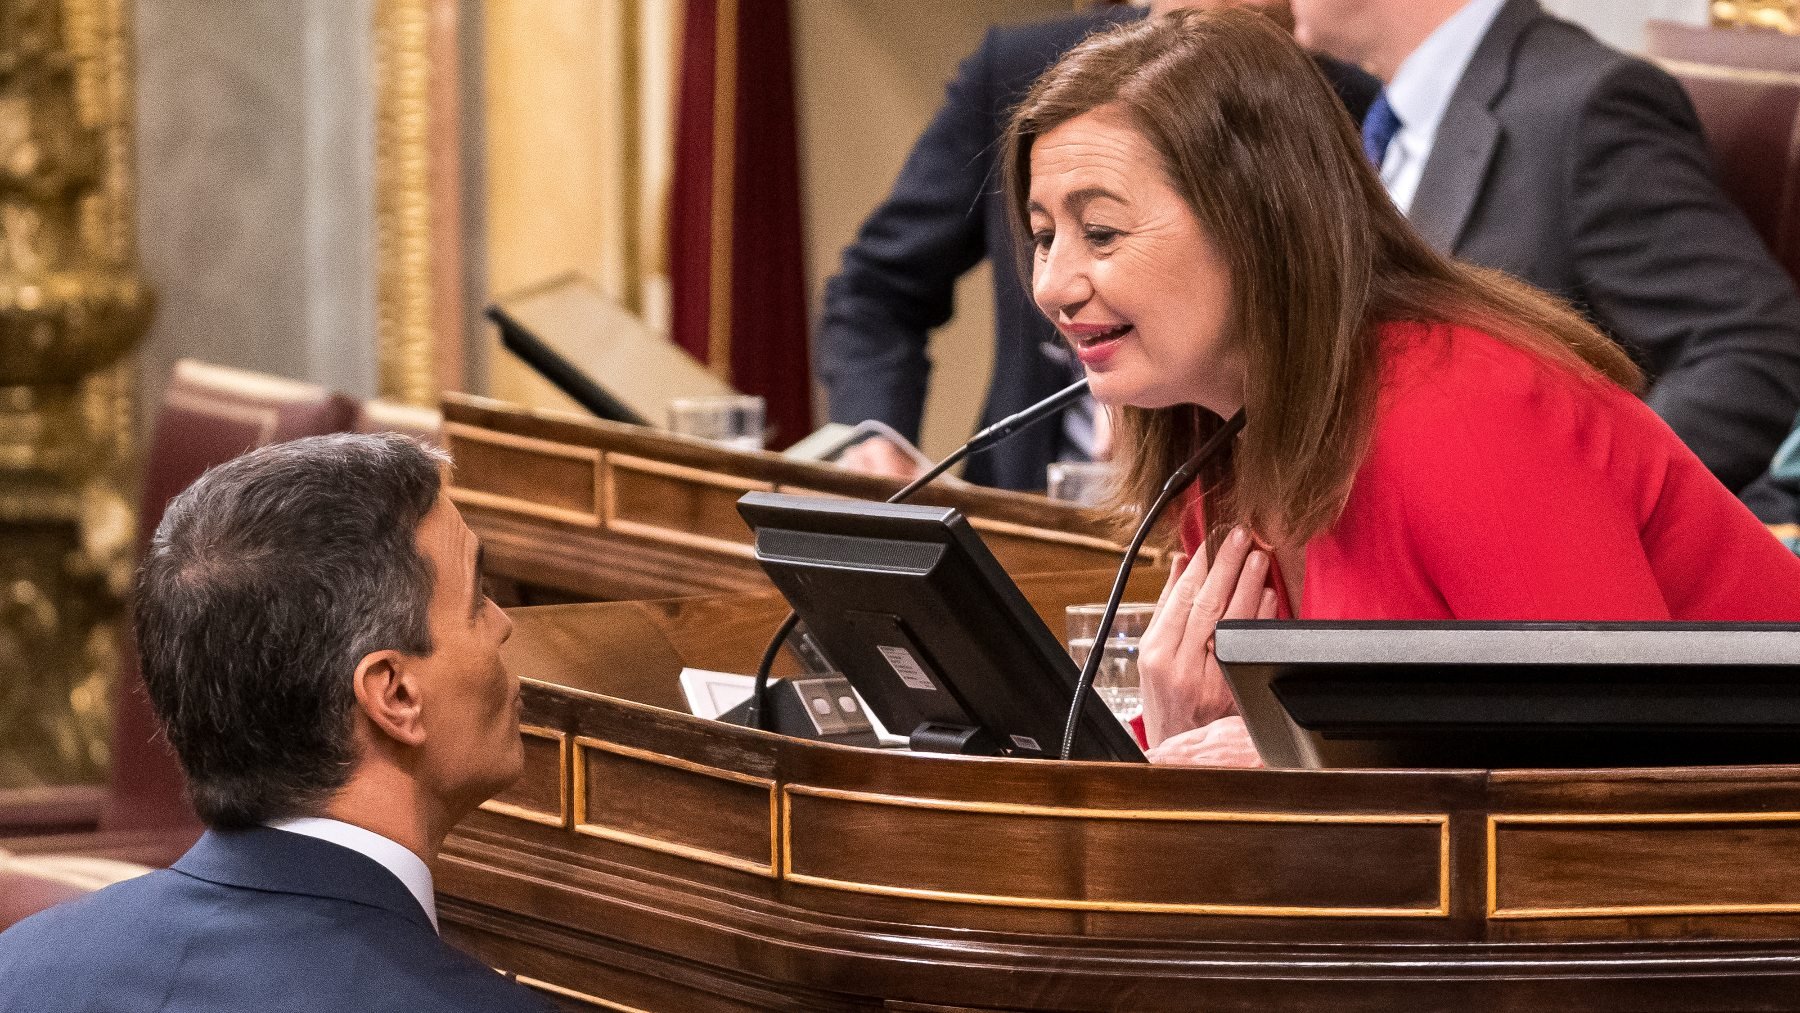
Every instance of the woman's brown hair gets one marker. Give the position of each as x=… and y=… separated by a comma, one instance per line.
x=1258, y=144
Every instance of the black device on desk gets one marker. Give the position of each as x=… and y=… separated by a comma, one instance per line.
x=1496, y=695
x=910, y=605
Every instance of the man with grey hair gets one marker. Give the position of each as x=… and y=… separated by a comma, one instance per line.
x=317, y=645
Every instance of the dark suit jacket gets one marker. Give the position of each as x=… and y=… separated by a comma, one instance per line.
x=943, y=216
x=1584, y=171
x=258, y=920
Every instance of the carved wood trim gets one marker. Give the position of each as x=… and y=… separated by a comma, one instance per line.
x=561, y=819
x=662, y=533
x=583, y=825
x=454, y=431
x=1441, y=820
x=1494, y=822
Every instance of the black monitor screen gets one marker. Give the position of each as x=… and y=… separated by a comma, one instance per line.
x=915, y=611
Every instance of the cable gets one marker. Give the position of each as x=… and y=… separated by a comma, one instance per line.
x=1183, y=477
x=987, y=438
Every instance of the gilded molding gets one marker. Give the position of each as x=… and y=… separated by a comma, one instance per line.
x=1777, y=15
x=71, y=306
x=407, y=355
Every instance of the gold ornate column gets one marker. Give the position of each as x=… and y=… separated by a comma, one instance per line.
x=1780, y=15
x=71, y=305
x=404, y=318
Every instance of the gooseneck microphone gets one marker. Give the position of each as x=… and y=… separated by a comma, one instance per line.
x=1178, y=483
x=983, y=440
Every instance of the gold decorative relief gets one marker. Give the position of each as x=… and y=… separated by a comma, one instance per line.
x=71, y=306
x=407, y=356
x=1777, y=15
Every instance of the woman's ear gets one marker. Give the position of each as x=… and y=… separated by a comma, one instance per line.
x=388, y=694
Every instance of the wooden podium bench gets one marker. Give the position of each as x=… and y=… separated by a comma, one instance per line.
x=650, y=860
x=576, y=509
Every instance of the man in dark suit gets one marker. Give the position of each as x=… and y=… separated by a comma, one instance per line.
x=1515, y=140
x=317, y=645
x=942, y=218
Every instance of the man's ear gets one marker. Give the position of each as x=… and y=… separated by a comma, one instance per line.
x=388, y=693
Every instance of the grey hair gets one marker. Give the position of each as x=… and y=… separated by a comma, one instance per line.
x=266, y=583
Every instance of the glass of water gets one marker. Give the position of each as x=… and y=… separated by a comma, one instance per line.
x=1116, y=681
x=733, y=420
x=1084, y=483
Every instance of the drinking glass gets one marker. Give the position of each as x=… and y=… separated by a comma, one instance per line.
x=1116, y=681
x=733, y=420
x=1081, y=482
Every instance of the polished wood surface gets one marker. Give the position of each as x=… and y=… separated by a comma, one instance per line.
x=651, y=860
x=576, y=509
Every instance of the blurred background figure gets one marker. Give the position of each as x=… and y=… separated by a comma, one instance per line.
x=1515, y=140
x=942, y=218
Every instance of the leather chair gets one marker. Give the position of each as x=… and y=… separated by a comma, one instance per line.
x=29, y=885
x=210, y=414
x=1745, y=85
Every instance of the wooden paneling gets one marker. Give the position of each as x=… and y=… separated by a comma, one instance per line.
x=573, y=509
x=1601, y=865
x=541, y=794
x=524, y=476
x=1071, y=858
x=687, y=507
x=674, y=805
x=710, y=866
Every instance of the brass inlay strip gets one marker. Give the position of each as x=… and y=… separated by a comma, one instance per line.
x=569, y=993
x=585, y=826
x=512, y=504
x=1440, y=820
x=681, y=473
x=1494, y=911
x=561, y=819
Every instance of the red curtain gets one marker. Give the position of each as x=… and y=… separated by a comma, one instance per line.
x=735, y=253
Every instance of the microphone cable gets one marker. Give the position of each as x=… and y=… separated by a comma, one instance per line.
x=1178, y=483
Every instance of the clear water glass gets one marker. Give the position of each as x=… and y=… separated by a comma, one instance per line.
x=1116, y=681
x=733, y=420
x=1084, y=483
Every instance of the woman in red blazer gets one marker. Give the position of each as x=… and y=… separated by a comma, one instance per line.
x=1424, y=439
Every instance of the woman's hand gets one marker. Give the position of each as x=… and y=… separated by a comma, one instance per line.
x=1181, y=682
x=1224, y=743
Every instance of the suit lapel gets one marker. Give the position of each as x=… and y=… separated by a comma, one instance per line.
x=279, y=862
x=1469, y=134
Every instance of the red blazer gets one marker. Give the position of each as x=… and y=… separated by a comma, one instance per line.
x=1502, y=486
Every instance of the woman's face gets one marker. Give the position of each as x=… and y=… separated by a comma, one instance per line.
x=1123, y=269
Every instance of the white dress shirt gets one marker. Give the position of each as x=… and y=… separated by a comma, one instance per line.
x=407, y=867
x=1420, y=93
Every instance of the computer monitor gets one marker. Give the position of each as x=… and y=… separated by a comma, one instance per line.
x=915, y=611
x=1498, y=695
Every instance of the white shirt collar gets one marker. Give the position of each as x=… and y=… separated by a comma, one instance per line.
x=407, y=867
x=1421, y=89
